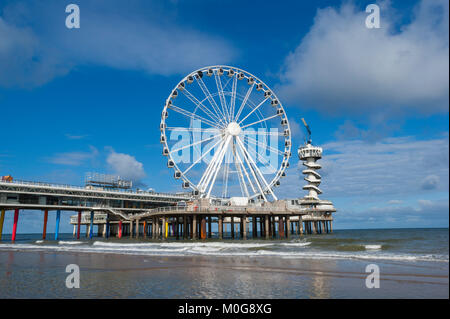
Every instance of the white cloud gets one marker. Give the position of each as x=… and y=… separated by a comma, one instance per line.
x=112, y=34
x=430, y=182
x=392, y=168
x=423, y=213
x=23, y=60
x=126, y=166
x=73, y=158
x=340, y=65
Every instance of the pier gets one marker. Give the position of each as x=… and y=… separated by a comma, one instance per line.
x=158, y=215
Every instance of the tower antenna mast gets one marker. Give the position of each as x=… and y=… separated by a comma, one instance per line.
x=308, y=140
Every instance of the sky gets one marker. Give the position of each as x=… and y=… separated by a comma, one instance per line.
x=79, y=100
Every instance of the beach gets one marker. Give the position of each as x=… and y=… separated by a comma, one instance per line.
x=411, y=264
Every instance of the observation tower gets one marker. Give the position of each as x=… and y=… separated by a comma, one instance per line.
x=319, y=217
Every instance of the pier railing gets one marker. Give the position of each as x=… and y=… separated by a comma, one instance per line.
x=73, y=187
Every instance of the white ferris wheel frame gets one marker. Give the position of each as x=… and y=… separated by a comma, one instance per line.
x=218, y=117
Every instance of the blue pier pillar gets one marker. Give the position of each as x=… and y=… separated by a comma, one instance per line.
x=58, y=217
x=91, y=227
x=107, y=228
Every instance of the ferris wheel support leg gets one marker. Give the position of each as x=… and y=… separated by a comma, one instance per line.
x=218, y=165
x=206, y=174
x=246, y=158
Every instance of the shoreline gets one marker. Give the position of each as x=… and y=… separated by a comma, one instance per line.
x=122, y=276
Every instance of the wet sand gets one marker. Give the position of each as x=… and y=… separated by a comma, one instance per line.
x=41, y=274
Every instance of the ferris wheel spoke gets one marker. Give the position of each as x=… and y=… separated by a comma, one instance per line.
x=208, y=95
x=192, y=129
x=200, y=158
x=192, y=115
x=255, y=142
x=193, y=99
x=263, y=120
x=239, y=167
x=247, y=95
x=223, y=102
x=214, y=163
x=226, y=174
x=195, y=143
x=256, y=168
x=210, y=165
x=233, y=96
x=251, y=168
x=263, y=159
x=254, y=109
x=264, y=133
x=217, y=169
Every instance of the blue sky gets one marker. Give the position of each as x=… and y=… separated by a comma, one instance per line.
x=74, y=101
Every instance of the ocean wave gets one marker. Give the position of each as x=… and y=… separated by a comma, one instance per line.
x=66, y=242
x=292, y=250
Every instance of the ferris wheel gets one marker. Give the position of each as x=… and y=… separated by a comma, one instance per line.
x=226, y=134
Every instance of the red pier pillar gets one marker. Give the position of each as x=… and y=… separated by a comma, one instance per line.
x=44, y=231
x=120, y=229
x=16, y=218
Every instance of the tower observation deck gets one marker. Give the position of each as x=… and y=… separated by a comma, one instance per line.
x=310, y=154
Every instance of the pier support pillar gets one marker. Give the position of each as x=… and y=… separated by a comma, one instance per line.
x=184, y=226
x=2, y=219
x=120, y=229
x=44, y=229
x=165, y=227
x=254, y=227
x=203, y=228
x=281, y=226
x=58, y=218
x=145, y=229
x=91, y=225
x=131, y=229
x=300, y=225
x=220, y=227
x=232, y=227
x=313, y=225
x=244, y=227
x=137, y=228
x=194, y=227
x=288, y=226
x=106, y=230
x=266, y=226
x=331, y=226
x=79, y=225
x=154, y=228
x=177, y=227
x=261, y=226
x=209, y=227
x=16, y=218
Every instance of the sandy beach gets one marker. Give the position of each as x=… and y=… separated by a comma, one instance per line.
x=42, y=275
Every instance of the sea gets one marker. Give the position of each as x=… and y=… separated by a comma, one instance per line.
x=410, y=263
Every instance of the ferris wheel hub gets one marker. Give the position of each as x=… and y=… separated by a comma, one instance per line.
x=233, y=129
